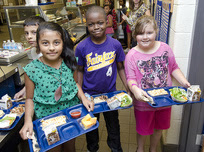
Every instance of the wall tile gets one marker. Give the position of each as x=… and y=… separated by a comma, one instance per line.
x=176, y=112
x=183, y=65
x=182, y=18
x=177, y=41
x=185, y=2
x=173, y=132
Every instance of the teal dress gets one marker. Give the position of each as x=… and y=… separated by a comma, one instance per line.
x=46, y=85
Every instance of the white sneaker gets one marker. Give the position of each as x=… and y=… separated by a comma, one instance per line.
x=126, y=50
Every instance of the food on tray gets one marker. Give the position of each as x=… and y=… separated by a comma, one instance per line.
x=51, y=134
x=157, y=92
x=113, y=102
x=76, y=113
x=194, y=93
x=1, y=113
x=74, y=34
x=7, y=120
x=18, y=110
x=178, y=94
x=101, y=98
x=7, y=53
x=88, y=121
x=58, y=121
x=125, y=99
x=73, y=39
x=5, y=102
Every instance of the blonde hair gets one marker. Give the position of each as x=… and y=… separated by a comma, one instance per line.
x=141, y=24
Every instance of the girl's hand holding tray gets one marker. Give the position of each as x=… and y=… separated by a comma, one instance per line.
x=176, y=95
x=67, y=124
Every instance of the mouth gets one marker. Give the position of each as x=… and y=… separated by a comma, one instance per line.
x=31, y=42
x=145, y=41
x=97, y=32
x=52, y=54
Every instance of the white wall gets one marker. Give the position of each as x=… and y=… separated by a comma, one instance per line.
x=180, y=38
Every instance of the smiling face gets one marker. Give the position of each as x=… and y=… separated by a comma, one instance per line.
x=30, y=34
x=107, y=9
x=146, y=38
x=50, y=45
x=96, y=23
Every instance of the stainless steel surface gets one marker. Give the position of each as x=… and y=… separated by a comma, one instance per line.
x=17, y=13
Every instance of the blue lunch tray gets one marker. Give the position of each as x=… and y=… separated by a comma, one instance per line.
x=48, y=3
x=7, y=111
x=166, y=100
x=68, y=131
x=103, y=106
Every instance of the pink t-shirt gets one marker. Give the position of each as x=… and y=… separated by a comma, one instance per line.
x=150, y=70
x=109, y=30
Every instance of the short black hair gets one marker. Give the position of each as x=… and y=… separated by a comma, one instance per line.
x=33, y=20
x=97, y=9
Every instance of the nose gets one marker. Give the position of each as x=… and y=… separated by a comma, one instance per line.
x=145, y=36
x=51, y=47
x=29, y=36
x=96, y=26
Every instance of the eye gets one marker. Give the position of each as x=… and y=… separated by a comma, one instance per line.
x=101, y=23
x=45, y=43
x=34, y=32
x=90, y=25
x=57, y=43
x=26, y=33
x=149, y=32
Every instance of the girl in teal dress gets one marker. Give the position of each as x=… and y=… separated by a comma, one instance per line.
x=50, y=80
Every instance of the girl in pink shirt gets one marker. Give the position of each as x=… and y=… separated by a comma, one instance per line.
x=150, y=65
x=109, y=26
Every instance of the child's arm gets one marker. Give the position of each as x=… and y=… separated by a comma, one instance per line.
x=29, y=109
x=121, y=71
x=20, y=94
x=78, y=75
x=178, y=75
x=110, y=21
x=138, y=93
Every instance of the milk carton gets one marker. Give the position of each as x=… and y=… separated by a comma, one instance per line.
x=194, y=93
x=5, y=102
x=51, y=134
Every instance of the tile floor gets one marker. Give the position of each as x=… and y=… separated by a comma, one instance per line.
x=126, y=118
x=127, y=131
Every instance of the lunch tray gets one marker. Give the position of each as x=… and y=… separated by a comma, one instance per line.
x=68, y=131
x=7, y=111
x=48, y=3
x=103, y=106
x=166, y=100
